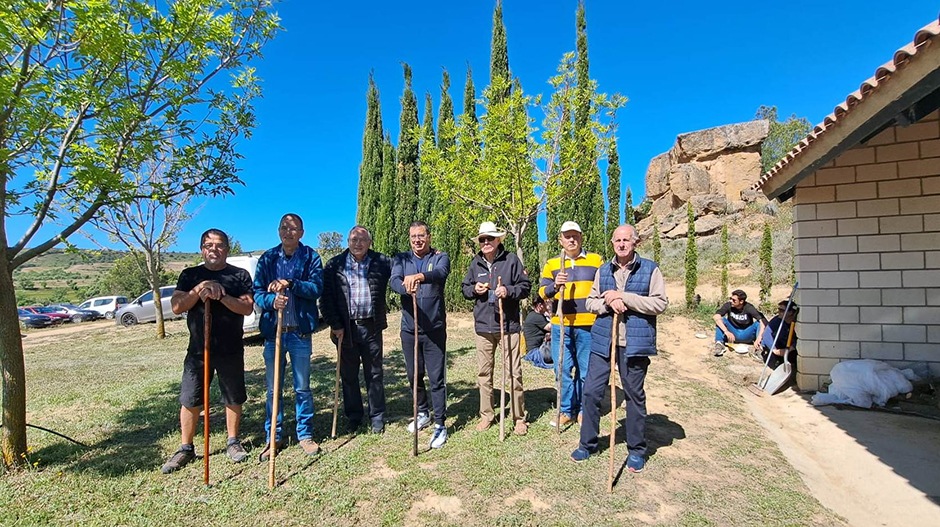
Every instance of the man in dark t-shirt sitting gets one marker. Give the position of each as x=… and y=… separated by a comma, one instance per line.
x=537, y=330
x=229, y=289
x=737, y=322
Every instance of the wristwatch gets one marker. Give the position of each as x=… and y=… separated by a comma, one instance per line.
x=290, y=283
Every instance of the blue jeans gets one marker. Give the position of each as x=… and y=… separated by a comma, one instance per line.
x=747, y=335
x=577, y=354
x=299, y=349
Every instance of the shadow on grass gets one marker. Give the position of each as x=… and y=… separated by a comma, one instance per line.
x=660, y=432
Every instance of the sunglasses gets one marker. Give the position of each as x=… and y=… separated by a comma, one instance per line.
x=483, y=239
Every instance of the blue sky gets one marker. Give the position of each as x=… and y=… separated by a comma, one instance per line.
x=684, y=66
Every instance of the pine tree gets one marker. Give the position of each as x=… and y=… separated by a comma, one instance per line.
x=406, y=177
x=613, y=197
x=724, y=261
x=629, y=215
x=499, y=53
x=426, y=193
x=657, y=242
x=766, y=263
x=691, y=259
x=370, y=170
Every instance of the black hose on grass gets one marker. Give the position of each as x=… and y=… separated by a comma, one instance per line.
x=63, y=436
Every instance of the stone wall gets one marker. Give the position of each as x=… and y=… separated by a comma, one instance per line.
x=867, y=247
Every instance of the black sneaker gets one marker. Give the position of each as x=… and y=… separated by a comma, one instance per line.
x=178, y=460
x=235, y=451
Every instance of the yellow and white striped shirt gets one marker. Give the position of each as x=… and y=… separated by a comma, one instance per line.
x=581, y=271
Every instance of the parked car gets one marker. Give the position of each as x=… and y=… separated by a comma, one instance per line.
x=106, y=305
x=142, y=308
x=57, y=318
x=250, y=264
x=32, y=320
x=77, y=315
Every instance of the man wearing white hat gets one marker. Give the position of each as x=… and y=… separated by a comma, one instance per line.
x=491, y=266
x=577, y=279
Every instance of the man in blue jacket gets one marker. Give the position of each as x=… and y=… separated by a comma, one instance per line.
x=290, y=277
x=633, y=287
x=422, y=272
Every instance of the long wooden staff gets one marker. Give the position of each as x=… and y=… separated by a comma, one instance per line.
x=561, y=345
x=339, y=350
x=277, y=392
x=502, y=382
x=414, y=389
x=206, y=329
x=613, y=400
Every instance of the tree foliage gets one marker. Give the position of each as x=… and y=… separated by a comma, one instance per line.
x=613, y=196
x=370, y=170
x=126, y=278
x=329, y=245
x=691, y=259
x=781, y=137
x=406, y=177
x=383, y=240
x=766, y=263
x=629, y=213
x=657, y=242
x=426, y=192
x=724, y=261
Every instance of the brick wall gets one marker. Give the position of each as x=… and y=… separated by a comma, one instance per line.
x=867, y=243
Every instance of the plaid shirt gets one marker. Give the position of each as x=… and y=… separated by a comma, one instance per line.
x=286, y=270
x=360, y=297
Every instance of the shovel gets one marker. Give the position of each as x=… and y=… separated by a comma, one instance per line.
x=757, y=389
x=781, y=374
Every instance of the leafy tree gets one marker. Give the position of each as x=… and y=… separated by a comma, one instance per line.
x=724, y=261
x=766, y=263
x=406, y=176
x=370, y=170
x=88, y=91
x=691, y=259
x=126, y=278
x=236, y=248
x=781, y=137
x=383, y=239
x=613, y=196
x=330, y=244
x=629, y=214
x=426, y=193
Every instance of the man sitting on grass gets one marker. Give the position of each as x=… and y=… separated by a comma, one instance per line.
x=737, y=322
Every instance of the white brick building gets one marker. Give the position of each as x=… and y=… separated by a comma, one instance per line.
x=866, y=224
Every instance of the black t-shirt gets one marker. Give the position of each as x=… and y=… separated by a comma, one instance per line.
x=226, y=331
x=534, y=329
x=742, y=318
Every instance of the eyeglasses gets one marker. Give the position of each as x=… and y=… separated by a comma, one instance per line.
x=357, y=240
x=210, y=246
x=484, y=239
x=291, y=230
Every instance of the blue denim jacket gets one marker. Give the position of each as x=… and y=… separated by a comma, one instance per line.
x=307, y=287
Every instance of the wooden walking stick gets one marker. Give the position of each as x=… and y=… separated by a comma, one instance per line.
x=206, y=329
x=414, y=380
x=339, y=350
x=561, y=345
x=502, y=381
x=613, y=400
x=277, y=392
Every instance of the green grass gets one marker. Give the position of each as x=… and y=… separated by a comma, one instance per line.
x=116, y=390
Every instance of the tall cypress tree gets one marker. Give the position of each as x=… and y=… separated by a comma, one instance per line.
x=446, y=111
x=724, y=261
x=383, y=240
x=426, y=193
x=766, y=263
x=370, y=170
x=613, y=196
x=499, y=53
x=629, y=216
x=446, y=216
x=470, y=98
x=691, y=259
x=406, y=178
x=657, y=243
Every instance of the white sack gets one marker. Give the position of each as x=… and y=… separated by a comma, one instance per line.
x=863, y=382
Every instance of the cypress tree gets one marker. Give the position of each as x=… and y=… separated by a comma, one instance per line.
x=406, y=178
x=446, y=111
x=388, y=198
x=499, y=53
x=426, y=192
x=657, y=243
x=613, y=196
x=370, y=170
x=470, y=98
x=766, y=263
x=691, y=259
x=589, y=207
x=629, y=215
x=724, y=262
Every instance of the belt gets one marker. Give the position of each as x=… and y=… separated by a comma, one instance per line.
x=361, y=321
x=288, y=329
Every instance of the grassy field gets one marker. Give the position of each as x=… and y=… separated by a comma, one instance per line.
x=116, y=390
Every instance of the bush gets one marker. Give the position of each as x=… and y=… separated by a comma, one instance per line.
x=691, y=259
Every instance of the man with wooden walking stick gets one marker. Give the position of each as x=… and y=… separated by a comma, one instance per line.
x=419, y=276
x=631, y=290
x=496, y=276
x=575, y=281
x=289, y=277
x=228, y=289
x=353, y=303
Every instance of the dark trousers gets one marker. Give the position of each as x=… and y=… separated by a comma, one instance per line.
x=431, y=359
x=365, y=349
x=632, y=375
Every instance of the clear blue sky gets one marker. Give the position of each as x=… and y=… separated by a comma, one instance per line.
x=684, y=66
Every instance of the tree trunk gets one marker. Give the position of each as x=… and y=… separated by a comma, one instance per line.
x=14, y=372
x=153, y=267
x=517, y=233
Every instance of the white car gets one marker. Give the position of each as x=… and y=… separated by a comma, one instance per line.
x=106, y=305
x=250, y=264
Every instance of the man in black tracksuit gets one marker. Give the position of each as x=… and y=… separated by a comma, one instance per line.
x=421, y=273
x=353, y=304
x=495, y=275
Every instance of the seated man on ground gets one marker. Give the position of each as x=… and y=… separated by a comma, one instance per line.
x=737, y=322
x=537, y=330
x=779, y=346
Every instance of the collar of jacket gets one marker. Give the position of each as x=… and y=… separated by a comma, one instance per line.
x=631, y=264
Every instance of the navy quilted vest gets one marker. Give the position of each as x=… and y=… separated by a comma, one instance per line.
x=641, y=329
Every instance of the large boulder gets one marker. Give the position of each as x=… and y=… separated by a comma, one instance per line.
x=712, y=141
x=687, y=180
x=733, y=172
x=703, y=227
x=709, y=203
x=657, y=175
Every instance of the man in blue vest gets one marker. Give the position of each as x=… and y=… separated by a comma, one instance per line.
x=633, y=287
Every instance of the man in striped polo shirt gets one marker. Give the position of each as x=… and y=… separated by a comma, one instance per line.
x=580, y=268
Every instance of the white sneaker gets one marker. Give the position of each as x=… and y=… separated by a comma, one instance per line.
x=423, y=422
x=439, y=437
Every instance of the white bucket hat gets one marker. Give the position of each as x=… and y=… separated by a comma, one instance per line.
x=488, y=228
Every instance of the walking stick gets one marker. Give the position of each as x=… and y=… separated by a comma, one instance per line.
x=339, y=348
x=561, y=346
x=206, y=329
x=277, y=392
x=502, y=382
x=613, y=401
x=414, y=388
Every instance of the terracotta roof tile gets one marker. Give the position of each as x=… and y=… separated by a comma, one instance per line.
x=868, y=86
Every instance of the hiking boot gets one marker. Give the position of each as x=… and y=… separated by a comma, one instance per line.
x=439, y=437
x=720, y=349
x=579, y=455
x=484, y=424
x=521, y=428
x=235, y=451
x=178, y=460
x=378, y=427
x=311, y=448
x=423, y=421
x=565, y=420
x=635, y=463
x=265, y=454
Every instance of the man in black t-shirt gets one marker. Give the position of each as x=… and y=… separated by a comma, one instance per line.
x=537, y=330
x=229, y=289
x=737, y=322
